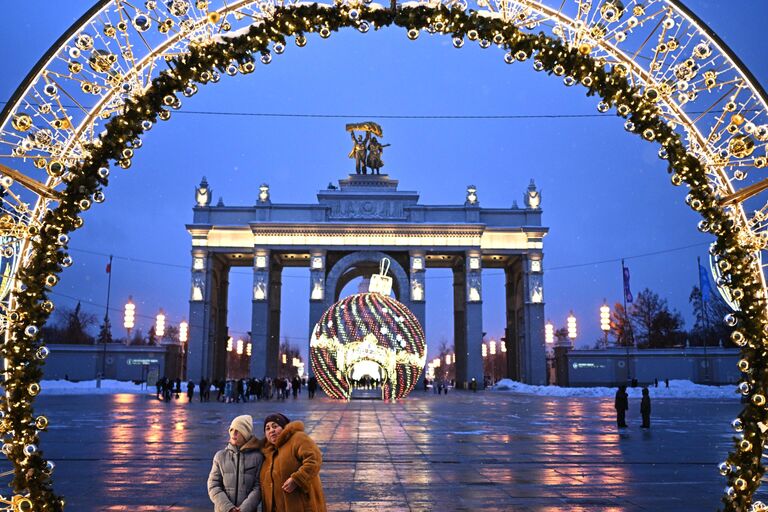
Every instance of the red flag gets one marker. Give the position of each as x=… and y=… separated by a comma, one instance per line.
x=109, y=268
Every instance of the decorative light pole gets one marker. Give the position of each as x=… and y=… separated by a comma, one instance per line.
x=572, y=332
x=492, y=350
x=129, y=318
x=605, y=321
x=183, y=337
x=160, y=325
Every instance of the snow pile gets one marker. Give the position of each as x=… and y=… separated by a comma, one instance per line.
x=88, y=387
x=677, y=389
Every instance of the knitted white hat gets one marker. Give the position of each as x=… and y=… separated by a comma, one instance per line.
x=244, y=425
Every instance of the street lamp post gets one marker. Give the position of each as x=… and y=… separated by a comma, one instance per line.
x=572, y=331
x=549, y=342
x=129, y=318
x=160, y=325
x=605, y=322
x=183, y=337
x=492, y=347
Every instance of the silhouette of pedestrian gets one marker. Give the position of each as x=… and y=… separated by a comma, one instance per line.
x=312, y=386
x=645, y=409
x=190, y=390
x=621, y=403
x=666, y=382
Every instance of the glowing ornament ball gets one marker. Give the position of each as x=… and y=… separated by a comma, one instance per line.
x=368, y=327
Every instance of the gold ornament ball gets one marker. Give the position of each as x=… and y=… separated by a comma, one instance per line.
x=21, y=122
x=741, y=146
x=33, y=389
x=21, y=504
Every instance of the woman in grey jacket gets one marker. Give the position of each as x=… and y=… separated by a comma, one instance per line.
x=233, y=484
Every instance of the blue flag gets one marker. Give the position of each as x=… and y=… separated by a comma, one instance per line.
x=704, y=285
x=627, y=292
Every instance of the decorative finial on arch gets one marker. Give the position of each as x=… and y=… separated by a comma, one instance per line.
x=203, y=193
x=532, y=196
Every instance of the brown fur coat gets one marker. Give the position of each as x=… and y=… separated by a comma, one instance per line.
x=295, y=456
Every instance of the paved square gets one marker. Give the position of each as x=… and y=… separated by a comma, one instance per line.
x=462, y=452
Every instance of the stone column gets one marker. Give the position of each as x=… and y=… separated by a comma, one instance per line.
x=418, y=298
x=533, y=361
x=317, y=296
x=474, y=326
x=260, y=314
x=219, y=309
x=468, y=320
x=460, y=323
x=514, y=301
x=273, y=329
x=207, y=317
x=199, y=316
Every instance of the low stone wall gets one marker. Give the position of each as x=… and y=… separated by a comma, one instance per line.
x=115, y=361
x=617, y=366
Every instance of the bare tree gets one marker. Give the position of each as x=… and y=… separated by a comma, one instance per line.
x=709, y=327
x=620, y=326
x=653, y=323
x=70, y=325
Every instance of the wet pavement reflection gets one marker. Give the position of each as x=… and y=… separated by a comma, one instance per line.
x=462, y=452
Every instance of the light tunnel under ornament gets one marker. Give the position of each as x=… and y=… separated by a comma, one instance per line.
x=363, y=332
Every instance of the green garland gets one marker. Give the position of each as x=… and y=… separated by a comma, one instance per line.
x=203, y=63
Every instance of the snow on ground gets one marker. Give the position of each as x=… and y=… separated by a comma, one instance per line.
x=88, y=387
x=677, y=389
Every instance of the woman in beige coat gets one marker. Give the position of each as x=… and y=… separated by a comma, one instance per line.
x=233, y=484
x=290, y=474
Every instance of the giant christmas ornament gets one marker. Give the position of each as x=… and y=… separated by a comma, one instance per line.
x=363, y=329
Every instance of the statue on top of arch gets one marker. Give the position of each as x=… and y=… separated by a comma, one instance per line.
x=367, y=151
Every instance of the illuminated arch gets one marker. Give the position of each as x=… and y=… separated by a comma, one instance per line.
x=119, y=67
x=358, y=264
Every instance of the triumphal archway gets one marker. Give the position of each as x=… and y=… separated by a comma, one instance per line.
x=344, y=235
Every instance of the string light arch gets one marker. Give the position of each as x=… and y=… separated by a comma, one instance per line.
x=123, y=66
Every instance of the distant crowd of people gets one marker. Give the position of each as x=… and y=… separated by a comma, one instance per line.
x=237, y=390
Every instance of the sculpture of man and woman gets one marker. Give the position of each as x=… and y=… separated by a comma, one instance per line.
x=367, y=153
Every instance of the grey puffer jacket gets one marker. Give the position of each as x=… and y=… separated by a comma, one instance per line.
x=234, y=478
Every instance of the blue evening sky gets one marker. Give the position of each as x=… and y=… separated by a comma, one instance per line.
x=606, y=195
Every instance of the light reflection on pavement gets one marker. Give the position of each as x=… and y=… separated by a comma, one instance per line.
x=463, y=452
